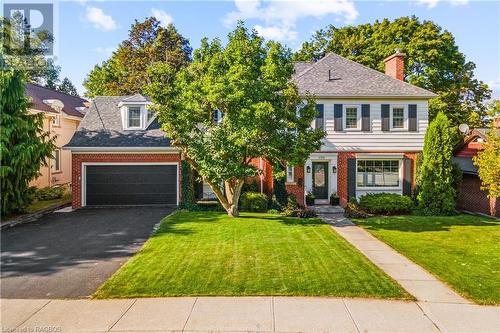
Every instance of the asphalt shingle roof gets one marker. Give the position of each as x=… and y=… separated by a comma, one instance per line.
x=38, y=94
x=102, y=127
x=351, y=79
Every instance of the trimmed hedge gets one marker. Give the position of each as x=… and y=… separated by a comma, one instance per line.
x=385, y=203
x=253, y=202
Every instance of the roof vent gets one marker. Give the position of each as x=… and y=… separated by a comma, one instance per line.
x=331, y=77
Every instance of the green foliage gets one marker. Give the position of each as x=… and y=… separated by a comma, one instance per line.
x=433, y=60
x=385, y=203
x=67, y=87
x=253, y=202
x=187, y=186
x=249, y=82
x=488, y=163
x=250, y=187
x=148, y=43
x=310, y=199
x=279, y=191
x=437, y=195
x=24, y=144
x=50, y=193
x=15, y=52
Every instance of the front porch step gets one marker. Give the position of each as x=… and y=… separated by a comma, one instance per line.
x=327, y=209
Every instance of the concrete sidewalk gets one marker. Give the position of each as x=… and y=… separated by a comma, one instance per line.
x=416, y=280
x=245, y=314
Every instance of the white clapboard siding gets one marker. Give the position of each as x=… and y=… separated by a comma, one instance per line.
x=375, y=140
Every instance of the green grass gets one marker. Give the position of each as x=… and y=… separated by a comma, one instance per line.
x=207, y=253
x=462, y=250
x=42, y=204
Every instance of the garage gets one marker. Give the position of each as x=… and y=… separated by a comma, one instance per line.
x=130, y=184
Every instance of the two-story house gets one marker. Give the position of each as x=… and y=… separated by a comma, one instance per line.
x=62, y=115
x=375, y=125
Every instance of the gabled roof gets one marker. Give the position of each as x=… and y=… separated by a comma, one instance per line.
x=136, y=98
x=350, y=79
x=38, y=94
x=102, y=127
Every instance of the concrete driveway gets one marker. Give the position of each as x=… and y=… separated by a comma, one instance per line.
x=69, y=255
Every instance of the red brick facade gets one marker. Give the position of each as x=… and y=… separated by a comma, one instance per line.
x=78, y=159
x=395, y=66
x=297, y=187
x=342, y=176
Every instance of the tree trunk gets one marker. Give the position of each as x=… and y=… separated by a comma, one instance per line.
x=493, y=206
x=232, y=196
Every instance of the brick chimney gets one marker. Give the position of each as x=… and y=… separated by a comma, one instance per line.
x=395, y=65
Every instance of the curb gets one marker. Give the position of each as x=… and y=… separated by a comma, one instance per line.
x=27, y=218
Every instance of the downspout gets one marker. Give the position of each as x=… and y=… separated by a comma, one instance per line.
x=261, y=167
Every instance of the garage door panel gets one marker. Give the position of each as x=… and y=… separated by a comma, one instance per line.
x=131, y=185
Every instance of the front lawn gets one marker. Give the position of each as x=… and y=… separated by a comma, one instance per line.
x=462, y=250
x=207, y=253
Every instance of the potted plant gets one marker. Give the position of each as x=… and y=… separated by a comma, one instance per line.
x=334, y=199
x=310, y=199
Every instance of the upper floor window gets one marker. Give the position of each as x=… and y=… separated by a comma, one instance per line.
x=398, y=117
x=377, y=173
x=351, y=117
x=134, y=116
x=56, y=120
x=320, y=117
x=289, y=173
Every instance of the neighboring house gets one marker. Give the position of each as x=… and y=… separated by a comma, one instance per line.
x=375, y=125
x=471, y=198
x=62, y=115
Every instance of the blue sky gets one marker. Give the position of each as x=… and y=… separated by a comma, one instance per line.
x=88, y=31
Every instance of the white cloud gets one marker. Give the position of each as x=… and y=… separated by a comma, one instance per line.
x=280, y=17
x=434, y=3
x=100, y=20
x=162, y=16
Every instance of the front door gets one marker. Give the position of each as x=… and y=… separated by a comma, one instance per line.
x=320, y=180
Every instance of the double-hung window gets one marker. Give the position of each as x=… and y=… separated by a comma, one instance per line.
x=377, y=173
x=134, y=117
x=398, y=117
x=150, y=115
x=56, y=160
x=351, y=117
x=289, y=173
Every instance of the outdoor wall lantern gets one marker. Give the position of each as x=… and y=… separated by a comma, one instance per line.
x=334, y=169
x=308, y=169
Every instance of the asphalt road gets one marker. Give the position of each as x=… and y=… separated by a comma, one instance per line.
x=69, y=255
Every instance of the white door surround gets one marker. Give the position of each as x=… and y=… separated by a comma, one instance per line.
x=331, y=159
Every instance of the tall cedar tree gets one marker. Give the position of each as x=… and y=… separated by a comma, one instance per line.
x=126, y=71
x=67, y=87
x=488, y=163
x=20, y=43
x=436, y=193
x=25, y=146
x=433, y=61
x=249, y=82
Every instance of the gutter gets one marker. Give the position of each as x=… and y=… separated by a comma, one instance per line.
x=121, y=149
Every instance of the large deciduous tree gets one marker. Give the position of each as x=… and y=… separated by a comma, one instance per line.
x=24, y=144
x=248, y=83
x=126, y=71
x=436, y=182
x=488, y=163
x=433, y=61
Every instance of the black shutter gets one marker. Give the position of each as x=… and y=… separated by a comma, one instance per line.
x=407, y=175
x=412, y=117
x=320, y=116
x=215, y=116
x=365, y=117
x=337, y=114
x=351, y=178
x=386, y=117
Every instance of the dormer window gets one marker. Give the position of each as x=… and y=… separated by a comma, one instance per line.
x=151, y=115
x=134, y=117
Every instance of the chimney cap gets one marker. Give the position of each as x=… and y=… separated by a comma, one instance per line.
x=396, y=54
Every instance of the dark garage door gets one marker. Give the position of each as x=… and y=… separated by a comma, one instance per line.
x=131, y=185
